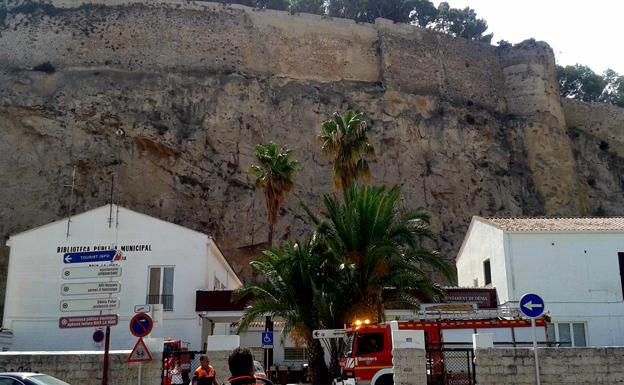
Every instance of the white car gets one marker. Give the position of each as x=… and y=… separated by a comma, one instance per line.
x=29, y=379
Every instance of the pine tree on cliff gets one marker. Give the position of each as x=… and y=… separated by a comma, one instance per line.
x=274, y=174
x=344, y=138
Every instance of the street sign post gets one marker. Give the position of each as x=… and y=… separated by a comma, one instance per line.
x=267, y=340
x=328, y=333
x=92, y=304
x=107, y=271
x=532, y=306
x=141, y=325
x=90, y=256
x=140, y=352
x=88, y=321
x=111, y=287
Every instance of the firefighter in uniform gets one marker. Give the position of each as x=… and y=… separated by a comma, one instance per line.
x=205, y=374
x=242, y=368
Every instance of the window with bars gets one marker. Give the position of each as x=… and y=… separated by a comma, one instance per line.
x=571, y=334
x=160, y=286
x=295, y=354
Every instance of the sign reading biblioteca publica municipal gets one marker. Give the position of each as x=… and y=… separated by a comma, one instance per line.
x=95, y=248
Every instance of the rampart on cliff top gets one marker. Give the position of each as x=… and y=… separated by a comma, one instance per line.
x=464, y=127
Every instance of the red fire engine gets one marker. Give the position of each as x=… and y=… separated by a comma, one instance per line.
x=368, y=353
x=176, y=361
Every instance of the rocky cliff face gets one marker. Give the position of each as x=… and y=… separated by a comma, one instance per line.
x=172, y=98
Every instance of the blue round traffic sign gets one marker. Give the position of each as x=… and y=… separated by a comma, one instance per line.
x=98, y=336
x=532, y=305
x=141, y=325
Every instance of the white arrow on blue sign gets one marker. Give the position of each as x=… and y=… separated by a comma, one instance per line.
x=532, y=305
x=89, y=256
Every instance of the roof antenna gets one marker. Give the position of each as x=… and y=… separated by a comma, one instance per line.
x=110, y=211
x=120, y=134
x=71, y=199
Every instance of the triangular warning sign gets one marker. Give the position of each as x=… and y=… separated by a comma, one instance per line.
x=140, y=353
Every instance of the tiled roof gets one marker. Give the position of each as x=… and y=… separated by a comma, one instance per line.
x=557, y=224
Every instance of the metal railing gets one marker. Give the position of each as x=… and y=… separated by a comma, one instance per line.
x=165, y=299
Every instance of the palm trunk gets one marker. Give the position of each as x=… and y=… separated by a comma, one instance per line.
x=317, y=369
x=337, y=347
x=271, y=234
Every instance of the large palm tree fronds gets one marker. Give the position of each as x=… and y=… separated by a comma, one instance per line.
x=344, y=138
x=274, y=174
x=379, y=247
x=291, y=289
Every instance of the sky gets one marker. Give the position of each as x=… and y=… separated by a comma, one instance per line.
x=584, y=32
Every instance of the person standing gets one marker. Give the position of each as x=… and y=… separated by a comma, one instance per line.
x=205, y=374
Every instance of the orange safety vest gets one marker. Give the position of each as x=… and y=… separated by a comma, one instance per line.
x=204, y=377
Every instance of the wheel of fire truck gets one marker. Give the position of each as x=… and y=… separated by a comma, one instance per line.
x=384, y=378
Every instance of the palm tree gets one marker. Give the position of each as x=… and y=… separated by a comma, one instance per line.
x=275, y=174
x=379, y=250
x=345, y=139
x=290, y=290
x=379, y=254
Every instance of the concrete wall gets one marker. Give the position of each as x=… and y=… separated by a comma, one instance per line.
x=577, y=275
x=578, y=278
x=83, y=368
x=482, y=242
x=409, y=366
x=588, y=366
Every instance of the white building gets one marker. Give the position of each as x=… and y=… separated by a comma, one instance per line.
x=575, y=264
x=161, y=263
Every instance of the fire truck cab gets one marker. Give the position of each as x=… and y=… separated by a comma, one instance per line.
x=367, y=358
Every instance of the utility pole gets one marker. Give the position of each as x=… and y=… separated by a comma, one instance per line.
x=71, y=199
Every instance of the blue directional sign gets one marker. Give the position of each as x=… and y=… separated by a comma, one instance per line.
x=532, y=305
x=267, y=339
x=89, y=256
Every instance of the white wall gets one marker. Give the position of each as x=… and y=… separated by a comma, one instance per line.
x=252, y=339
x=482, y=242
x=577, y=275
x=34, y=278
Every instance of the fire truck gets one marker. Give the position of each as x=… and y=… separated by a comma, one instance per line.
x=176, y=361
x=368, y=354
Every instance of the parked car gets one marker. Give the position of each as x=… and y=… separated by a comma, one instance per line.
x=29, y=379
x=259, y=371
